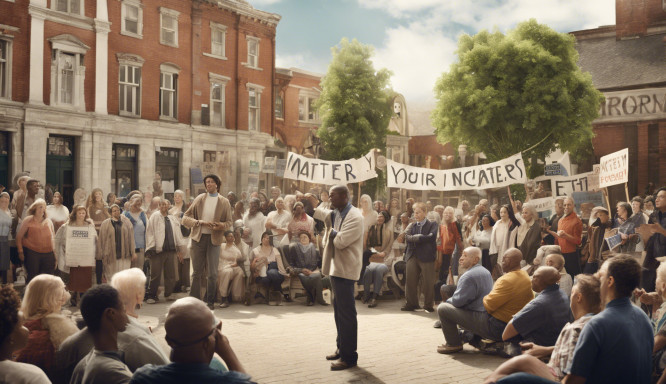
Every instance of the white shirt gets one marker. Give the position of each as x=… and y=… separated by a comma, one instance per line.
x=257, y=225
x=281, y=221
x=208, y=214
x=21, y=373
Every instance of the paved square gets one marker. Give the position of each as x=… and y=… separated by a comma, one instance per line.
x=288, y=344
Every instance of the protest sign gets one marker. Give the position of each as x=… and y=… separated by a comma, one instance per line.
x=494, y=175
x=566, y=185
x=269, y=165
x=543, y=204
x=80, y=247
x=614, y=168
x=593, y=179
x=280, y=166
x=330, y=172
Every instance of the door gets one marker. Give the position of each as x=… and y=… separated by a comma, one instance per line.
x=60, y=164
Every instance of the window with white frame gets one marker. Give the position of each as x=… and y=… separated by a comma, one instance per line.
x=68, y=6
x=306, y=108
x=67, y=71
x=252, y=52
x=218, y=85
x=218, y=36
x=129, y=84
x=5, y=68
x=169, y=27
x=169, y=91
x=131, y=18
x=279, y=104
x=254, y=107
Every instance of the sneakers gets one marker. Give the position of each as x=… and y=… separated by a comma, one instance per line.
x=438, y=324
x=152, y=301
x=224, y=304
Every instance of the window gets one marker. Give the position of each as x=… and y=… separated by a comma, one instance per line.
x=218, y=34
x=169, y=27
x=169, y=91
x=279, y=105
x=68, y=6
x=5, y=69
x=210, y=156
x=218, y=85
x=306, y=108
x=254, y=107
x=129, y=84
x=252, y=52
x=132, y=18
x=67, y=71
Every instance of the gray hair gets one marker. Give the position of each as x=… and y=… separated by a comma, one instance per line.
x=179, y=192
x=530, y=207
x=129, y=283
x=473, y=252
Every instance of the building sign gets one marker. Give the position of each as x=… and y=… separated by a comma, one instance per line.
x=640, y=104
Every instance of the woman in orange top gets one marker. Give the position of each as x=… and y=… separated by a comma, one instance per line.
x=35, y=241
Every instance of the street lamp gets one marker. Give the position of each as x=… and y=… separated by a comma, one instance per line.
x=462, y=151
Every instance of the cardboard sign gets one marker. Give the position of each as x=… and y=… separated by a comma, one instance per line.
x=543, y=204
x=80, y=247
x=614, y=168
x=280, y=166
x=567, y=185
x=494, y=175
x=330, y=172
x=269, y=165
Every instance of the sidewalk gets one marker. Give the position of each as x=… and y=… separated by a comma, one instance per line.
x=288, y=344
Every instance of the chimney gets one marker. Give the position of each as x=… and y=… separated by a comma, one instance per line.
x=631, y=18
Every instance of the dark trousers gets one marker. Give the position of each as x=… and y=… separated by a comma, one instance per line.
x=99, y=270
x=485, y=260
x=442, y=276
x=366, y=261
x=572, y=263
x=273, y=278
x=183, y=273
x=158, y=262
x=37, y=263
x=344, y=310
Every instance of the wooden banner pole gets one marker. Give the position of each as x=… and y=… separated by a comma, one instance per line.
x=605, y=190
x=626, y=191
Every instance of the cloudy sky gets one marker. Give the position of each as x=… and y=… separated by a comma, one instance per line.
x=415, y=39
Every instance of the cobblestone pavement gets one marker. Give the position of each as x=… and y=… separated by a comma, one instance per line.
x=288, y=344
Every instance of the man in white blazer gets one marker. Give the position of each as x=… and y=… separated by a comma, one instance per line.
x=342, y=260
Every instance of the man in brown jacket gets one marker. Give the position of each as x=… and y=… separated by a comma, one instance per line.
x=116, y=243
x=209, y=216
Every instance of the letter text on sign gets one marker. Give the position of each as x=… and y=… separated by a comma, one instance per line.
x=614, y=168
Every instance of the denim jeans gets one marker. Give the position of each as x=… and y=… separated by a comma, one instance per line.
x=374, y=275
x=273, y=278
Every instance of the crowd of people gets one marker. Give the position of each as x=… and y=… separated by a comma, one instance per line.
x=498, y=277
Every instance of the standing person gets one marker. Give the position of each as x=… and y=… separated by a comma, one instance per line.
x=80, y=278
x=239, y=211
x=627, y=229
x=527, y=237
x=420, y=255
x=278, y=222
x=138, y=218
x=97, y=209
x=255, y=221
x=25, y=200
x=57, y=212
x=116, y=243
x=369, y=214
x=111, y=199
x=450, y=238
x=300, y=222
x=569, y=233
x=35, y=241
x=14, y=336
x=182, y=266
x=230, y=273
x=481, y=239
x=5, y=229
x=163, y=243
x=342, y=260
x=499, y=239
x=600, y=221
x=656, y=244
x=553, y=223
x=209, y=216
x=20, y=192
x=325, y=200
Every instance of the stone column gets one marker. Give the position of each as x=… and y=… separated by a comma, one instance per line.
x=36, y=94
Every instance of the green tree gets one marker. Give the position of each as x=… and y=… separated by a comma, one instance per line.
x=354, y=103
x=519, y=92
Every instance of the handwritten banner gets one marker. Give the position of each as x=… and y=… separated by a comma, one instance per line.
x=614, y=168
x=330, y=172
x=567, y=185
x=543, y=204
x=80, y=247
x=494, y=175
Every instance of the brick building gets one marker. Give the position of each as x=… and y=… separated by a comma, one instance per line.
x=121, y=94
x=627, y=62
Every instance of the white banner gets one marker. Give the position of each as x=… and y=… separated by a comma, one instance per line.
x=593, y=179
x=614, y=168
x=567, y=185
x=330, y=172
x=543, y=204
x=495, y=175
x=80, y=247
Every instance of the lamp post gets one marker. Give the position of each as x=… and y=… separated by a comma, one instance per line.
x=462, y=151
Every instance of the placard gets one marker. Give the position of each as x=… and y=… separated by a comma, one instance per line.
x=494, y=175
x=80, y=247
x=269, y=164
x=280, y=166
x=614, y=168
x=330, y=172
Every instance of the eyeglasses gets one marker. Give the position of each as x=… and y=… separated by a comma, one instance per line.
x=179, y=344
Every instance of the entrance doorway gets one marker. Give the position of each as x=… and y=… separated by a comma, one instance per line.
x=60, y=164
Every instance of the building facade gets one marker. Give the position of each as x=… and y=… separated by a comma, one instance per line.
x=132, y=94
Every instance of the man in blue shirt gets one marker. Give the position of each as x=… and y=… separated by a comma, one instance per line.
x=543, y=318
x=194, y=335
x=465, y=307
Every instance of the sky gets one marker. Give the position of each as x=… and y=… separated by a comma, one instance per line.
x=415, y=39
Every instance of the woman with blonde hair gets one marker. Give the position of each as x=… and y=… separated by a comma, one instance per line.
x=44, y=296
x=96, y=207
x=80, y=277
x=369, y=214
x=36, y=241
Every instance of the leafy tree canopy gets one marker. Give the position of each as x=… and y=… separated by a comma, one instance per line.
x=522, y=91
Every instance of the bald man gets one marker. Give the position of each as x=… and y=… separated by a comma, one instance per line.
x=542, y=319
x=194, y=335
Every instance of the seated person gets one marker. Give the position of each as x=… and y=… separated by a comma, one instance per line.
x=267, y=269
x=105, y=316
x=585, y=302
x=137, y=342
x=465, y=307
x=194, y=335
x=230, y=274
x=556, y=261
x=656, y=299
x=616, y=345
x=14, y=336
x=44, y=296
x=543, y=251
x=305, y=262
x=380, y=257
x=542, y=319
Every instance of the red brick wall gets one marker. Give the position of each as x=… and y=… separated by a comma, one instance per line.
x=16, y=15
x=289, y=127
x=634, y=16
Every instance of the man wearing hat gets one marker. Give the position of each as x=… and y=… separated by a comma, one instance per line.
x=599, y=222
